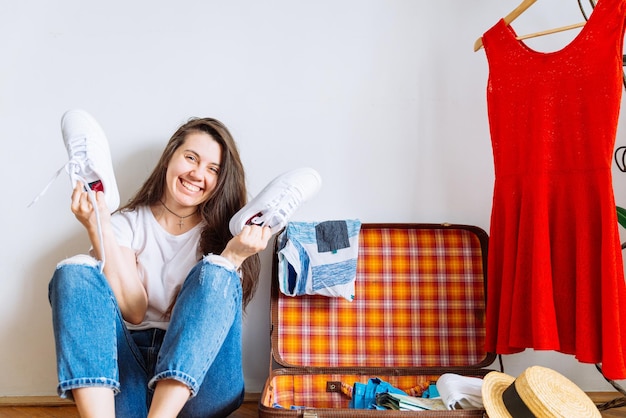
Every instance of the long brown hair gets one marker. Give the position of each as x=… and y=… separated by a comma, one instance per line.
x=229, y=195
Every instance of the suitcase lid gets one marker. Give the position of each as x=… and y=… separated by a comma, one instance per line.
x=419, y=303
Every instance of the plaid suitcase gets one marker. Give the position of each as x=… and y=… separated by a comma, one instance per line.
x=419, y=312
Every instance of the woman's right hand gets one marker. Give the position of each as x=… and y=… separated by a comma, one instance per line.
x=83, y=209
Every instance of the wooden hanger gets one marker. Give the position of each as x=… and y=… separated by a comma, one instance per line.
x=525, y=4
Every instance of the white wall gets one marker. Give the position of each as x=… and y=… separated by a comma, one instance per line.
x=386, y=98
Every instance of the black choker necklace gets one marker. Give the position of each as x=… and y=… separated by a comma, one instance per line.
x=181, y=221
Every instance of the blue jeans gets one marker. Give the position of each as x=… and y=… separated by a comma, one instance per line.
x=201, y=348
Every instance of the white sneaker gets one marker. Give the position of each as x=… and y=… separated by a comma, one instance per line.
x=275, y=204
x=90, y=158
x=89, y=162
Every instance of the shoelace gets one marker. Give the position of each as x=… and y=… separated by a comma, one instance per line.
x=75, y=144
x=73, y=167
x=279, y=209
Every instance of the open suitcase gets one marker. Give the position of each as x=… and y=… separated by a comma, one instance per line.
x=419, y=312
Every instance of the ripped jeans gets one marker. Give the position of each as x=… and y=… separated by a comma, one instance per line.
x=201, y=348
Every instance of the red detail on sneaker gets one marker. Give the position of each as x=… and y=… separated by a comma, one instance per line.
x=96, y=186
x=252, y=218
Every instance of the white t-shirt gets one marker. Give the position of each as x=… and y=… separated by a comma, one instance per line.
x=163, y=259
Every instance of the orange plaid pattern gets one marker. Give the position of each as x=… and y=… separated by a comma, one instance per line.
x=310, y=390
x=419, y=302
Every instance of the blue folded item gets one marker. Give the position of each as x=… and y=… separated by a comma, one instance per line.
x=364, y=394
x=319, y=258
x=431, y=392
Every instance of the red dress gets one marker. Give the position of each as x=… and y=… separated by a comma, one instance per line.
x=555, y=272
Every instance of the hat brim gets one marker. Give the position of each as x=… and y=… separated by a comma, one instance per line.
x=494, y=385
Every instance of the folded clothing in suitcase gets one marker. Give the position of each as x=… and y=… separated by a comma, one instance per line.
x=418, y=312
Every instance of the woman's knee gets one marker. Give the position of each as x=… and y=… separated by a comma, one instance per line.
x=75, y=276
x=214, y=279
x=79, y=259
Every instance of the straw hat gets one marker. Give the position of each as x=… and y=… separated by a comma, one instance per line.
x=538, y=392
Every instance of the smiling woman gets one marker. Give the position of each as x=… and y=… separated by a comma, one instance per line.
x=191, y=178
x=162, y=267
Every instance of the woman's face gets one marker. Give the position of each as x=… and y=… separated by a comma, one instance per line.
x=192, y=171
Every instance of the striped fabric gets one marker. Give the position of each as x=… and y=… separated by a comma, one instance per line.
x=419, y=302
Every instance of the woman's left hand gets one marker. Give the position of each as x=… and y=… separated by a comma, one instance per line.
x=251, y=240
